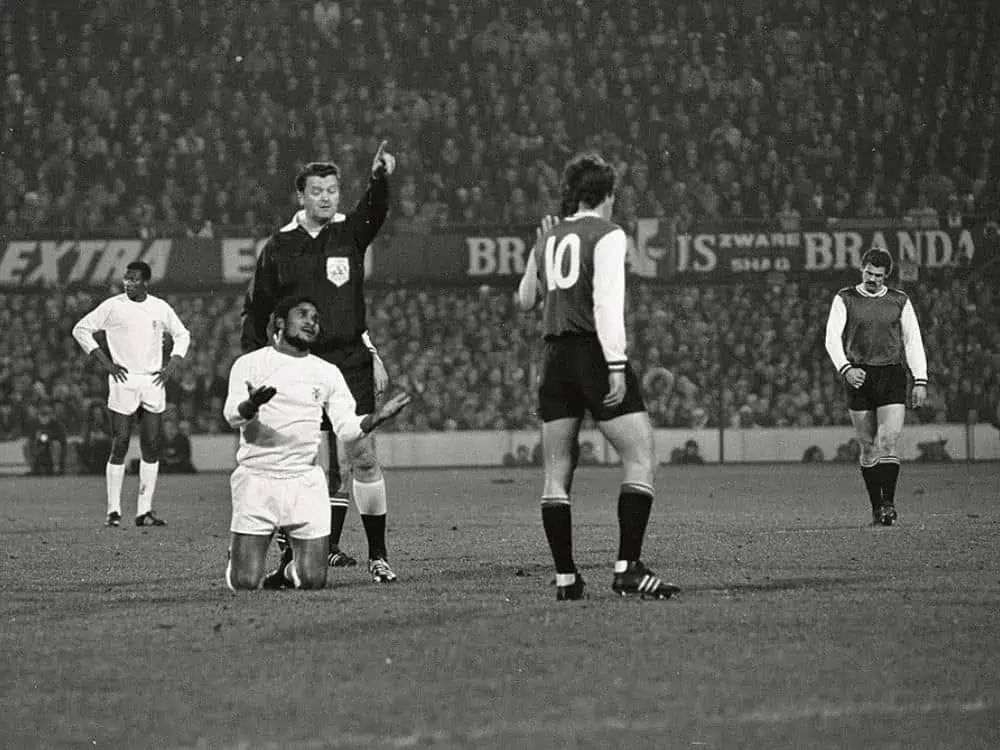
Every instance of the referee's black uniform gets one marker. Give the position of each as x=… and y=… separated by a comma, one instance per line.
x=329, y=268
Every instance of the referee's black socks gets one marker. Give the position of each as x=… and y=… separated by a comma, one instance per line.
x=338, y=512
x=557, y=520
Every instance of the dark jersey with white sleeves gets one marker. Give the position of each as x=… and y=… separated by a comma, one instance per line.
x=875, y=330
x=581, y=269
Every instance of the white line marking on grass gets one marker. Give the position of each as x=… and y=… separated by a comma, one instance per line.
x=865, y=709
x=572, y=727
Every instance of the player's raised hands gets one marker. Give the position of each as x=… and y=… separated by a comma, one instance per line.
x=384, y=163
x=387, y=411
x=256, y=398
x=260, y=395
x=393, y=406
x=547, y=224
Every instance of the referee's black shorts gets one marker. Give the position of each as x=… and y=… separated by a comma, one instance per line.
x=356, y=363
x=575, y=381
x=884, y=385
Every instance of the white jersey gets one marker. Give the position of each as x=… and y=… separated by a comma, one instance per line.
x=284, y=436
x=135, y=332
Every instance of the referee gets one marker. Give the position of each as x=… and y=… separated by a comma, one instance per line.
x=320, y=253
x=870, y=329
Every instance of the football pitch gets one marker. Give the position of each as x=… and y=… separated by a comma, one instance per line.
x=799, y=626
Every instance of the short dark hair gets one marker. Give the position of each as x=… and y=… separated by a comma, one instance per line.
x=878, y=257
x=315, y=169
x=286, y=304
x=142, y=267
x=587, y=179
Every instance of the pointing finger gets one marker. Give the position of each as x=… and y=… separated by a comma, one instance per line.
x=381, y=148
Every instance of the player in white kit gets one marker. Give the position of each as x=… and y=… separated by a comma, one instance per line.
x=276, y=398
x=134, y=323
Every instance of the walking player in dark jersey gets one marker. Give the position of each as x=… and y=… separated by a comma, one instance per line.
x=578, y=267
x=869, y=329
x=320, y=253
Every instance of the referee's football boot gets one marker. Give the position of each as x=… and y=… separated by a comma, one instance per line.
x=276, y=578
x=149, y=519
x=573, y=592
x=886, y=514
x=380, y=571
x=337, y=558
x=638, y=580
x=114, y=519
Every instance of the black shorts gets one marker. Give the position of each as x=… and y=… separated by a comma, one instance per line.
x=575, y=381
x=884, y=385
x=355, y=362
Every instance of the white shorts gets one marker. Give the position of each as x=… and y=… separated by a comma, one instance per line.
x=136, y=391
x=264, y=503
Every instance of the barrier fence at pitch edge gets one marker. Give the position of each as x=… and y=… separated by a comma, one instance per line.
x=955, y=442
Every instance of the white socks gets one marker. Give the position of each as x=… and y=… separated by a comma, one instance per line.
x=369, y=497
x=115, y=475
x=147, y=485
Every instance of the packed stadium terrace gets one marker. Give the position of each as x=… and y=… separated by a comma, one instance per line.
x=467, y=356
x=170, y=118
x=158, y=119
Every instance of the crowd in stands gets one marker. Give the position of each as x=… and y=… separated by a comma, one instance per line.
x=744, y=357
x=159, y=118
x=166, y=118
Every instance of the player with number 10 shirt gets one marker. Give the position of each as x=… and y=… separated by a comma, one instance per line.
x=581, y=267
x=578, y=268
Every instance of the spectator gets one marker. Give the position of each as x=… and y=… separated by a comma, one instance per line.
x=520, y=457
x=689, y=455
x=45, y=447
x=777, y=116
x=175, y=456
x=96, y=444
x=841, y=111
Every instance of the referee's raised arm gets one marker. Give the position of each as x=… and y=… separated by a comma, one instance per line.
x=370, y=213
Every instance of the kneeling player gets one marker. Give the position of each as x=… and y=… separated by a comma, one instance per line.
x=276, y=398
x=580, y=264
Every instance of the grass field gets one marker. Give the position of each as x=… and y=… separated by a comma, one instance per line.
x=799, y=626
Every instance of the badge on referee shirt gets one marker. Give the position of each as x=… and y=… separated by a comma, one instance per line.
x=338, y=270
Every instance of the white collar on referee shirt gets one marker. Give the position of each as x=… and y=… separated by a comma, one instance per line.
x=300, y=216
